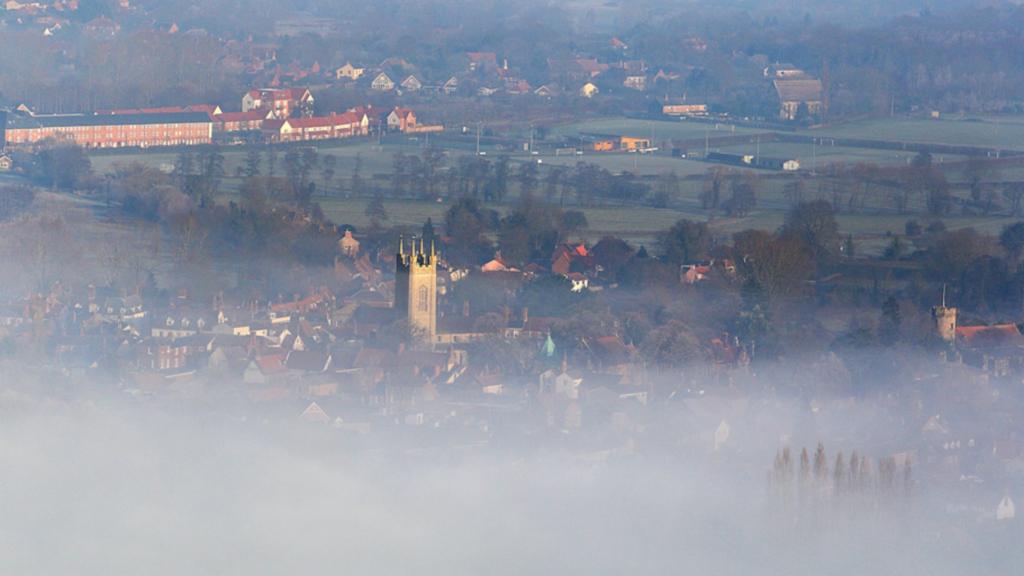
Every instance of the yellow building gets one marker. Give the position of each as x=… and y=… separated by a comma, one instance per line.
x=631, y=143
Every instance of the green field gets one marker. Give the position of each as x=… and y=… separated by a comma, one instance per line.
x=995, y=132
x=809, y=155
x=639, y=164
x=656, y=130
x=375, y=160
x=637, y=223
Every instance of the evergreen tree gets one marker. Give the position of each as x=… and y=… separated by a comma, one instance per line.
x=427, y=233
x=327, y=165
x=820, y=465
x=376, y=211
x=839, y=474
x=357, y=180
x=252, y=163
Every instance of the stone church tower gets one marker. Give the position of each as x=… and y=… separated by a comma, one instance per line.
x=416, y=286
x=945, y=319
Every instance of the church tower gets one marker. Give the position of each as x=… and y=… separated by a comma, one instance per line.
x=416, y=286
x=945, y=319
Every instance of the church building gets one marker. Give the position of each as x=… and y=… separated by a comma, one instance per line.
x=416, y=287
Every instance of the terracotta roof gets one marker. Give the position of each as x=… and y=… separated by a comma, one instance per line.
x=300, y=304
x=241, y=116
x=271, y=364
x=343, y=119
x=990, y=336
x=308, y=361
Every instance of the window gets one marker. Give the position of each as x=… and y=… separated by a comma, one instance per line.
x=423, y=305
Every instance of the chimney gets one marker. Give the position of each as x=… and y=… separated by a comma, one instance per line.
x=526, y=315
x=465, y=308
x=401, y=348
x=506, y=314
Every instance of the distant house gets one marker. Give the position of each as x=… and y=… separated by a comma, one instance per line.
x=263, y=369
x=314, y=414
x=330, y=127
x=411, y=84
x=633, y=143
x=548, y=91
x=451, y=86
x=101, y=27
x=241, y=121
x=6, y=163
x=794, y=93
x=663, y=76
x=589, y=90
x=498, y=264
x=482, y=60
x=348, y=71
x=635, y=82
x=281, y=102
x=566, y=255
x=997, y=349
x=517, y=86
x=685, y=109
x=382, y=83
x=401, y=120
x=348, y=245
x=795, y=88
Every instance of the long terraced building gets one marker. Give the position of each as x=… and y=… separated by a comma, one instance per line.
x=142, y=130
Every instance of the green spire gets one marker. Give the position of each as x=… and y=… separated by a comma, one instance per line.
x=548, y=348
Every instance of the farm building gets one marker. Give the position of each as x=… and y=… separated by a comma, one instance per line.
x=752, y=161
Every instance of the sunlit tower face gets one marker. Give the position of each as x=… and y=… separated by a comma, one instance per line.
x=416, y=286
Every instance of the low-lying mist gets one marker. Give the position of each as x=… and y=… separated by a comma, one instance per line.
x=128, y=487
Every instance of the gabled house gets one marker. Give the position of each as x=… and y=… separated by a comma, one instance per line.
x=589, y=90
x=264, y=369
x=547, y=91
x=412, y=84
x=314, y=414
x=348, y=71
x=241, y=121
x=401, y=120
x=6, y=164
x=451, y=86
x=382, y=83
x=482, y=61
x=498, y=264
x=798, y=95
x=348, y=245
x=281, y=102
x=517, y=86
x=317, y=128
x=636, y=82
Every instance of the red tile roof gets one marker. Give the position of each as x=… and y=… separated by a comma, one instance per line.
x=241, y=116
x=990, y=336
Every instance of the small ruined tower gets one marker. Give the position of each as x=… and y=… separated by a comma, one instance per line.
x=416, y=286
x=945, y=320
